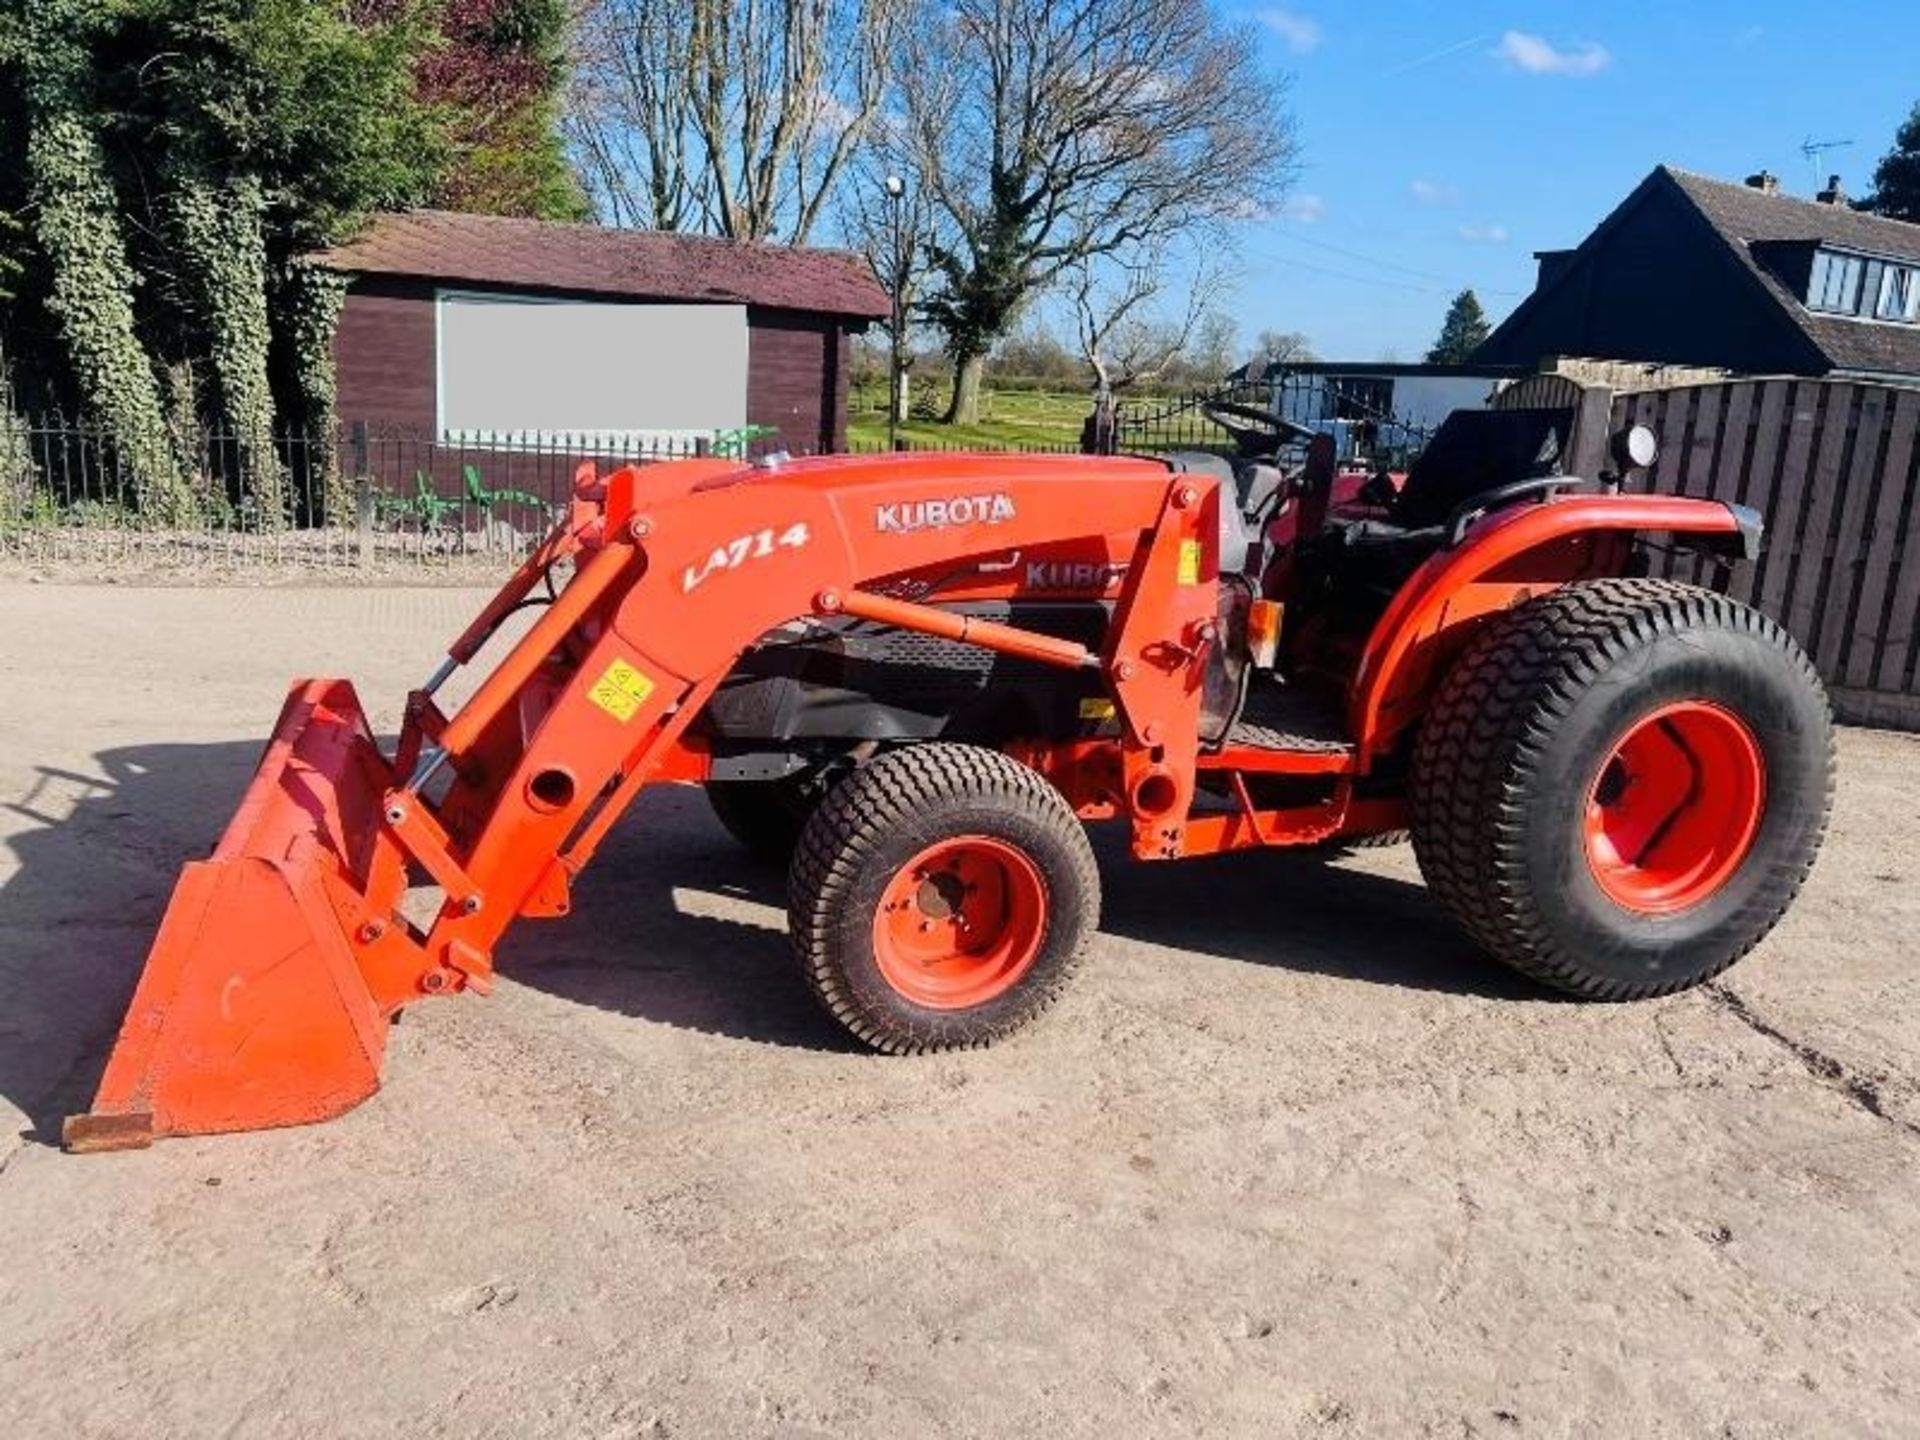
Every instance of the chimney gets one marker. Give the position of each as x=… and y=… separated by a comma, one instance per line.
x=1834, y=194
x=1766, y=182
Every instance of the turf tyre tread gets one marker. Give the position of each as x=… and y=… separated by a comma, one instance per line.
x=858, y=834
x=1495, y=714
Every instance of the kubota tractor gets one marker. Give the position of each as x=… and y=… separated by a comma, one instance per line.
x=918, y=676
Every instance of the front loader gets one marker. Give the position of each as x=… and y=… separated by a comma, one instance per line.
x=919, y=675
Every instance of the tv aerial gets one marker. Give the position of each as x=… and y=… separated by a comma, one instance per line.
x=1816, y=153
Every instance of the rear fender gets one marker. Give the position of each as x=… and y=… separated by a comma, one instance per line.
x=1505, y=560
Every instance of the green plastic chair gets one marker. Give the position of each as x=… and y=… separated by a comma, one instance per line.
x=732, y=444
x=486, y=499
x=425, y=504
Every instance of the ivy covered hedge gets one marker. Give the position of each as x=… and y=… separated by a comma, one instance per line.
x=166, y=164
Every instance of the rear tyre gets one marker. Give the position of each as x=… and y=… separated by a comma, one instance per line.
x=940, y=898
x=1622, y=785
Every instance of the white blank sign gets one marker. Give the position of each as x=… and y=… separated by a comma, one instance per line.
x=520, y=365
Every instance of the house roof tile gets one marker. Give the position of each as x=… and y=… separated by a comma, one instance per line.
x=1745, y=217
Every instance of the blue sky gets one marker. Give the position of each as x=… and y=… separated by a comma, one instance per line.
x=1444, y=141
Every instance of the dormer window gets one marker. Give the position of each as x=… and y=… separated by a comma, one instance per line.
x=1899, y=294
x=1843, y=284
x=1836, y=283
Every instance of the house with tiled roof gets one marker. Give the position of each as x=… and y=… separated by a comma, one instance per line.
x=1693, y=271
x=482, y=329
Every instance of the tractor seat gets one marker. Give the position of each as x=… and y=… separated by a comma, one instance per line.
x=1474, y=453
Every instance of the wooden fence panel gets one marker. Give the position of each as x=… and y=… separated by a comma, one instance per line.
x=1732, y=455
x=1539, y=392
x=1762, y=470
x=1896, y=668
x=1789, y=492
x=1834, y=468
x=1895, y=499
x=1843, y=549
x=1700, y=456
x=1808, y=537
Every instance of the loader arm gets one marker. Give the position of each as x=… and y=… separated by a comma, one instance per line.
x=283, y=957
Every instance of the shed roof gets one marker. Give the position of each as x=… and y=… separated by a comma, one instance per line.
x=592, y=259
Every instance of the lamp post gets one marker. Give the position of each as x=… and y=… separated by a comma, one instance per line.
x=896, y=189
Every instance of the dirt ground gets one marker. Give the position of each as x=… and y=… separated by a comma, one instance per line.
x=1290, y=1160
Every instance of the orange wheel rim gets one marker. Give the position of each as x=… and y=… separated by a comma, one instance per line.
x=1674, y=808
x=961, y=922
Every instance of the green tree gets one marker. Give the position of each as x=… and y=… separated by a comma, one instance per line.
x=1463, y=331
x=1896, y=179
x=495, y=75
x=262, y=128
x=180, y=156
x=90, y=281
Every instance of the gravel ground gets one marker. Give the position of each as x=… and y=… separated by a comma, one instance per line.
x=1290, y=1160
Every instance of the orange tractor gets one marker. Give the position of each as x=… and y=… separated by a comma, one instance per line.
x=917, y=676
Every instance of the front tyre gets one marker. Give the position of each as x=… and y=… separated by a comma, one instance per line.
x=940, y=898
x=1621, y=785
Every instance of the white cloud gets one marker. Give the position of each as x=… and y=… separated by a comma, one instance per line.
x=1304, y=209
x=1484, y=234
x=1435, y=192
x=1540, y=57
x=1301, y=32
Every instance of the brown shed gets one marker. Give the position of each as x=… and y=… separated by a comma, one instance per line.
x=472, y=328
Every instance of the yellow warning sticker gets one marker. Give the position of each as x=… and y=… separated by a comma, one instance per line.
x=621, y=691
x=1189, y=562
x=1096, y=707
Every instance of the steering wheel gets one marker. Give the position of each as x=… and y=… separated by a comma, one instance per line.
x=1257, y=433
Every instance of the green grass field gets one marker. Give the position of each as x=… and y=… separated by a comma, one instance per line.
x=1008, y=418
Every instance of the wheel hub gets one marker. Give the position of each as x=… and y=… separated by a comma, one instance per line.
x=961, y=922
x=1675, y=807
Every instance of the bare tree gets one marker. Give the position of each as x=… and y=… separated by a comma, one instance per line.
x=738, y=116
x=1276, y=349
x=1126, y=336
x=627, y=113
x=1214, y=349
x=1050, y=132
x=891, y=223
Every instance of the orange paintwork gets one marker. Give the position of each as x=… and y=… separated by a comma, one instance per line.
x=930, y=620
x=283, y=957
x=1508, y=558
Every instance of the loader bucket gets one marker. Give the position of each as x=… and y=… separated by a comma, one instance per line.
x=253, y=1010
